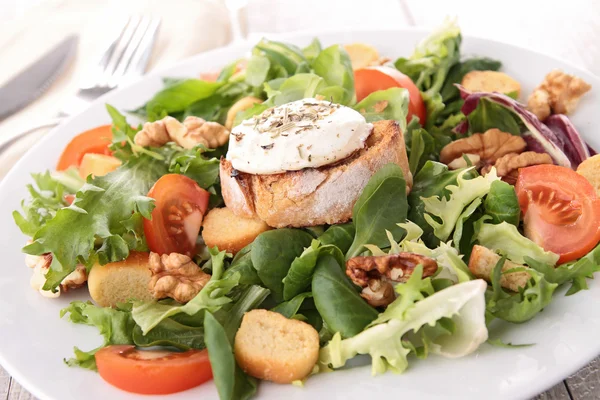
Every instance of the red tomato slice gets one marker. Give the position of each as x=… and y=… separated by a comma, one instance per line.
x=371, y=79
x=95, y=140
x=176, y=219
x=561, y=211
x=153, y=372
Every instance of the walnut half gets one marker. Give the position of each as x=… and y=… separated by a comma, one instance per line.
x=192, y=132
x=176, y=276
x=375, y=274
x=488, y=146
x=507, y=167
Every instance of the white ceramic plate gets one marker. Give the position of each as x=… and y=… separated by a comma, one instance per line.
x=34, y=341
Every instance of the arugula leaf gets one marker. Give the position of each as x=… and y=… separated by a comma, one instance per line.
x=115, y=325
x=380, y=207
x=47, y=197
x=212, y=297
x=448, y=211
x=502, y=204
x=389, y=104
x=333, y=64
x=232, y=383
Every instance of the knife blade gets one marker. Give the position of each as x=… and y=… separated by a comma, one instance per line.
x=36, y=78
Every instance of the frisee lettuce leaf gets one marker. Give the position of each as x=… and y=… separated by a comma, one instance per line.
x=448, y=211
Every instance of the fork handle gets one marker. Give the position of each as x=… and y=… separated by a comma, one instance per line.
x=6, y=141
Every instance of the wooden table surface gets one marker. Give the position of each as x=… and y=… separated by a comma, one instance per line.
x=566, y=29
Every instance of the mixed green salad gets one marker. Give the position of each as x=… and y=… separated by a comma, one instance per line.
x=451, y=215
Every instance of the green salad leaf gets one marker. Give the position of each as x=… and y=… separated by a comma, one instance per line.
x=232, y=383
x=212, y=297
x=389, y=104
x=336, y=299
x=506, y=239
x=490, y=115
x=462, y=304
x=449, y=91
x=449, y=210
x=312, y=50
x=286, y=55
x=193, y=164
x=502, y=204
x=333, y=64
x=340, y=236
x=172, y=334
x=433, y=57
x=380, y=207
x=46, y=198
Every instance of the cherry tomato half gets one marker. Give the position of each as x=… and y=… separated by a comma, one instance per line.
x=95, y=140
x=180, y=205
x=153, y=371
x=561, y=211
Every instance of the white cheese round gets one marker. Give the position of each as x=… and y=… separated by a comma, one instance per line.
x=307, y=133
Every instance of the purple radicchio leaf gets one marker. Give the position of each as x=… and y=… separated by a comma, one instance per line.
x=538, y=136
x=574, y=146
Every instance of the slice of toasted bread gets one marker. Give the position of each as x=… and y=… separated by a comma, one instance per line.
x=227, y=231
x=314, y=196
x=121, y=281
x=269, y=346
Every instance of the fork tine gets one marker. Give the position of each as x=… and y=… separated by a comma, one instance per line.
x=120, y=47
x=128, y=53
x=138, y=63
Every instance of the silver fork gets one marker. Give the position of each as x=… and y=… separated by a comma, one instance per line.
x=125, y=59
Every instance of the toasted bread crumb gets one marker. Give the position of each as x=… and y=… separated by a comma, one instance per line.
x=227, y=231
x=122, y=281
x=590, y=170
x=271, y=347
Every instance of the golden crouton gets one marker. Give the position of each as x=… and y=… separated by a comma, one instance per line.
x=361, y=55
x=483, y=261
x=227, y=231
x=121, y=281
x=491, y=81
x=590, y=169
x=271, y=347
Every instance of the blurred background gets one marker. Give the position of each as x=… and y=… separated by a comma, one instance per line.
x=30, y=28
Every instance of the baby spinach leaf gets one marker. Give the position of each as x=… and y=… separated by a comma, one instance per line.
x=273, y=253
x=257, y=70
x=301, y=271
x=252, y=297
x=502, y=204
x=178, y=96
x=340, y=236
x=490, y=115
x=333, y=64
x=338, y=302
x=298, y=87
x=380, y=207
x=430, y=181
x=232, y=383
x=242, y=264
x=421, y=147
x=290, y=308
x=286, y=55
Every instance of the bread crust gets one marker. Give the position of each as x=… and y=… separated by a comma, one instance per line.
x=121, y=281
x=271, y=347
x=230, y=232
x=314, y=196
